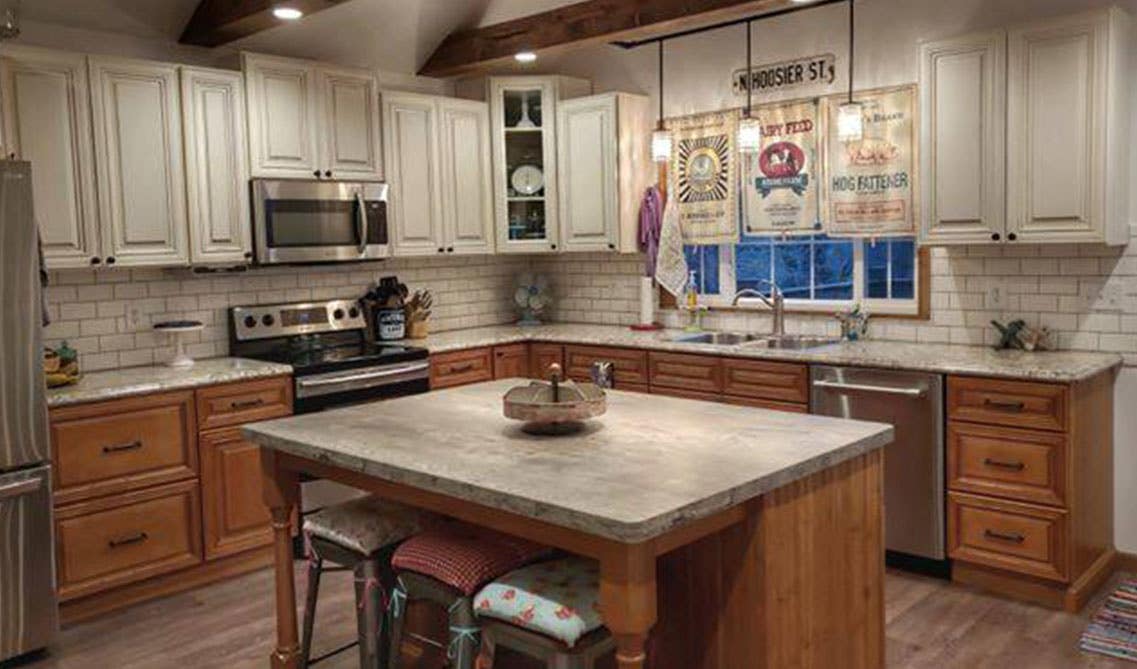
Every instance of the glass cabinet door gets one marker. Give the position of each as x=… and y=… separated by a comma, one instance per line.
x=524, y=164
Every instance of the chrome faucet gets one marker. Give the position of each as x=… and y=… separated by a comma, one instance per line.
x=776, y=301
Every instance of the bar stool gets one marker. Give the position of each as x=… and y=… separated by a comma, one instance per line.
x=358, y=535
x=446, y=566
x=548, y=611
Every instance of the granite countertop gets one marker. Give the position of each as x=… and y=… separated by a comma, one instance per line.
x=113, y=384
x=648, y=465
x=1054, y=366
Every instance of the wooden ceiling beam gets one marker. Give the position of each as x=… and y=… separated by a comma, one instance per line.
x=583, y=23
x=217, y=22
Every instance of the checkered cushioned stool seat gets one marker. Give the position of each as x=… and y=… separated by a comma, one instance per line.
x=464, y=557
x=560, y=598
x=366, y=524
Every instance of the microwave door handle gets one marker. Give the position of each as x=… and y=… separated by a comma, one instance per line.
x=362, y=222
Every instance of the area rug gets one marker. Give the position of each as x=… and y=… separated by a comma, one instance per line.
x=1113, y=630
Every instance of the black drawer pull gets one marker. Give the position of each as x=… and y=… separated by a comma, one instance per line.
x=1011, y=538
x=122, y=448
x=246, y=404
x=461, y=369
x=1004, y=406
x=129, y=540
x=1014, y=466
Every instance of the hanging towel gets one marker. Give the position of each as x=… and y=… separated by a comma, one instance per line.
x=45, y=315
x=651, y=220
x=671, y=264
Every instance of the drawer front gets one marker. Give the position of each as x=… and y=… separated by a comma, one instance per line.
x=778, y=381
x=543, y=355
x=1039, y=406
x=511, y=362
x=1029, y=466
x=245, y=402
x=698, y=373
x=460, y=368
x=765, y=404
x=630, y=365
x=111, y=447
x=117, y=540
x=1022, y=538
x=234, y=514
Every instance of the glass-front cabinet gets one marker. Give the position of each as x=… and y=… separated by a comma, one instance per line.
x=525, y=172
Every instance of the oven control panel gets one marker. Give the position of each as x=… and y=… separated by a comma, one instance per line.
x=283, y=320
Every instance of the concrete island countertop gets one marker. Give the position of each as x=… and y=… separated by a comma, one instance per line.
x=1053, y=366
x=649, y=464
x=129, y=381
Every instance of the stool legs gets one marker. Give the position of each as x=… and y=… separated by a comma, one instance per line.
x=396, y=620
x=315, y=569
x=465, y=634
x=369, y=612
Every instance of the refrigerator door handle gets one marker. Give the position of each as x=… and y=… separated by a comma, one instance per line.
x=20, y=489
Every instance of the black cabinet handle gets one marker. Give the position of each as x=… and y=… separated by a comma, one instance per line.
x=316, y=174
x=110, y=260
x=248, y=255
x=122, y=448
x=96, y=261
x=441, y=250
x=136, y=538
x=612, y=247
x=999, y=464
x=1012, y=236
x=554, y=247
x=450, y=250
x=1000, y=536
x=328, y=174
x=246, y=404
x=996, y=236
x=1014, y=407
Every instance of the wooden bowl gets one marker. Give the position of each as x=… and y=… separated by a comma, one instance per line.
x=553, y=407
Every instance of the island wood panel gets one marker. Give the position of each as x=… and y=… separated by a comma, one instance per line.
x=244, y=402
x=511, y=361
x=699, y=373
x=126, y=538
x=542, y=355
x=630, y=369
x=110, y=447
x=759, y=379
x=234, y=516
x=459, y=368
x=1041, y=406
x=1024, y=465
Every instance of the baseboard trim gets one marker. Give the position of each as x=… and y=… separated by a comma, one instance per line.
x=1071, y=598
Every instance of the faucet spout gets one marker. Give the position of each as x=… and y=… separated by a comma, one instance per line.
x=776, y=301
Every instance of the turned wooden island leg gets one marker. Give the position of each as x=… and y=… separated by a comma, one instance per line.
x=628, y=601
x=280, y=488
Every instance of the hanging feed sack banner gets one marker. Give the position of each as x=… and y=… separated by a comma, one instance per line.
x=706, y=177
x=870, y=181
x=780, y=193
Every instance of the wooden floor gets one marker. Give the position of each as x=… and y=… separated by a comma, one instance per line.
x=930, y=625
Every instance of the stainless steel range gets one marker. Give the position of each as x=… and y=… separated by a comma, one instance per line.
x=335, y=363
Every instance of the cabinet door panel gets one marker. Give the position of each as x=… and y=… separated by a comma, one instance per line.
x=410, y=138
x=467, y=178
x=963, y=99
x=282, y=117
x=1057, y=130
x=586, y=158
x=350, y=125
x=138, y=151
x=235, y=518
x=47, y=121
x=213, y=112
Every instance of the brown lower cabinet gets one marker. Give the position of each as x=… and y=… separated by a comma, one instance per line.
x=511, y=362
x=159, y=493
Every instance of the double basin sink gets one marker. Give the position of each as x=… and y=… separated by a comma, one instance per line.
x=781, y=342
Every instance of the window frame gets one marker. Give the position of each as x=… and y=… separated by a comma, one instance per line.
x=909, y=308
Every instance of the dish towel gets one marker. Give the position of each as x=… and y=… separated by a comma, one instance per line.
x=651, y=219
x=671, y=264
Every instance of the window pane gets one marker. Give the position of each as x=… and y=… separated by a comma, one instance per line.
x=792, y=270
x=709, y=281
x=833, y=271
x=752, y=265
x=876, y=270
x=903, y=269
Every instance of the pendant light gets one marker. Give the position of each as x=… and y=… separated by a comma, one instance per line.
x=749, y=128
x=850, y=116
x=661, y=138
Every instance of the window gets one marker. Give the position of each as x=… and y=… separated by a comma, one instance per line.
x=816, y=273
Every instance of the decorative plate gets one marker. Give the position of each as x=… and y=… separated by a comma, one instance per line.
x=527, y=179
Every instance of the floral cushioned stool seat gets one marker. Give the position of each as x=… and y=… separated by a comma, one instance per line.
x=559, y=599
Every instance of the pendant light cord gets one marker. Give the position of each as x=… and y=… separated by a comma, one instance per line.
x=749, y=73
x=660, y=85
x=852, y=44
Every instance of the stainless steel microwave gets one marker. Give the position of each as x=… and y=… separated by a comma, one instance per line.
x=319, y=221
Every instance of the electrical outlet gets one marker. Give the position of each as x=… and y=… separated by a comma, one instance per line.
x=995, y=298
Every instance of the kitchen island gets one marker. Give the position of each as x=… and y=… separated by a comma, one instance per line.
x=731, y=537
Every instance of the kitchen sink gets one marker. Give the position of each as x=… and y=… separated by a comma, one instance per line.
x=718, y=338
x=781, y=342
x=792, y=342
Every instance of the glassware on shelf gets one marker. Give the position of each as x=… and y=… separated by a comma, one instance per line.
x=525, y=121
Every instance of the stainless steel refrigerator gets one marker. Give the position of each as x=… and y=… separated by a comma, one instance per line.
x=28, y=618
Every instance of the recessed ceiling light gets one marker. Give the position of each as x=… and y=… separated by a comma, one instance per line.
x=525, y=56
x=287, y=13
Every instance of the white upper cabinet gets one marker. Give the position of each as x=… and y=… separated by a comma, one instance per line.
x=350, y=124
x=962, y=140
x=466, y=176
x=604, y=165
x=410, y=129
x=138, y=154
x=1067, y=165
x=309, y=121
x=213, y=114
x=47, y=121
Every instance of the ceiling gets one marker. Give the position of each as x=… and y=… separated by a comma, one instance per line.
x=392, y=35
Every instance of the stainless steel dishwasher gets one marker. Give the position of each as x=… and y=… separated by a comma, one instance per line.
x=913, y=463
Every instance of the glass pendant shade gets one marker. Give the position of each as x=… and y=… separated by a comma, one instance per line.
x=749, y=135
x=661, y=146
x=850, y=122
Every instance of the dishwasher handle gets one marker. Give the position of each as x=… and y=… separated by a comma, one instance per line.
x=860, y=387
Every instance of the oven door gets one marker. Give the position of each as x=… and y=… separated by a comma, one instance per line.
x=319, y=221
x=353, y=386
